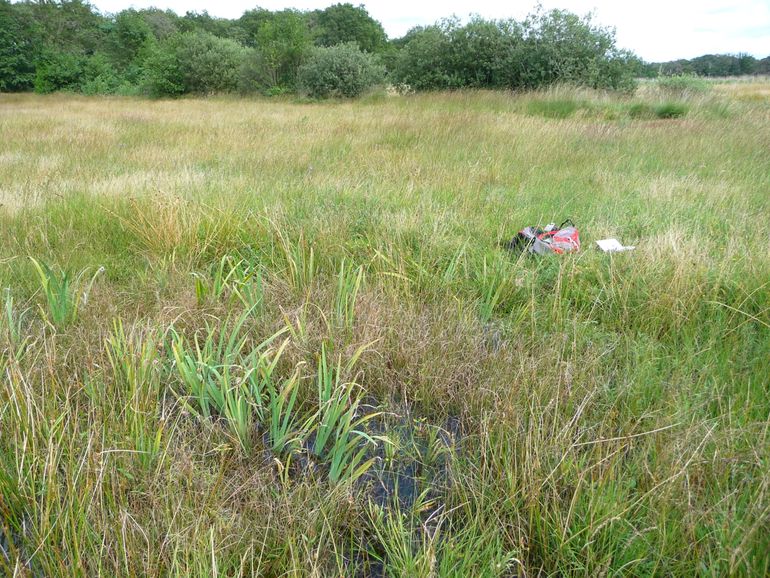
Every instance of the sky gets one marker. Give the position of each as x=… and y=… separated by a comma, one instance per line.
x=656, y=30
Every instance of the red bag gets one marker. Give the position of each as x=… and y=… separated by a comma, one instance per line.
x=560, y=241
x=552, y=239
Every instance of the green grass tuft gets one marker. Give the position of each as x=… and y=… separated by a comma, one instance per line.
x=559, y=109
x=671, y=110
x=63, y=294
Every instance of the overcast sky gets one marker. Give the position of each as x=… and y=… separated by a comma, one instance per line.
x=657, y=30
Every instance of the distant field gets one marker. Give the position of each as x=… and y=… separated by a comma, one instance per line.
x=308, y=355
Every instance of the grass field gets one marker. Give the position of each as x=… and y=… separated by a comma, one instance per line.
x=278, y=338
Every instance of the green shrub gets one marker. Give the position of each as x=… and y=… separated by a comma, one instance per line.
x=683, y=85
x=641, y=110
x=193, y=62
x=547, y=48
x=451, y=55
x=255, y=74
x=283, y=41
x=559, y=47
x=671, y=110
x=163, y=73
x=339, y=71
x=561, y=108
x=208, y=63
x=424, y=62
x=58, y=71
x=17, y=49
x=99, y=76
x=277, y=91
x=342, y=23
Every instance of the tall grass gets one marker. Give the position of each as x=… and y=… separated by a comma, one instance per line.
x=12, y=322
x=239, y=385
x=310, y=356
x=340, y=438
x=683, y=85
x=349, y=282
x=63, y=294
x=223, y=380
x=494, y=282
x=221, y=279
x=287, y=429
x=135, y=365
x=300, y=261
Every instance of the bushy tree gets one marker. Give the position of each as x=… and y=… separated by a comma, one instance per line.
x=256, y=75
x=450, y=55
x=99, y=76
x=204, y=22
x=59, y=71
x=559, y=46
x=209, y=64
x=128, y=36
x=342, y=23
x=713, y=65
x=68, y=45
x=547, y=48
x=249, y=24
x=283, y=40
x=193, y=62
x=72, y=26
x=423, y=62
x=163, y=75
x=162, y=23
x=339, y=71
x=478, y=49
x=57, y=37
x=618, y=72
x=18, y=50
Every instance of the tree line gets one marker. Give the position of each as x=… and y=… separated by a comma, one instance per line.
x=68, y=45
x=713, y=65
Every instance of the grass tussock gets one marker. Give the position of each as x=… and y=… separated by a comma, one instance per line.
x=307, y=353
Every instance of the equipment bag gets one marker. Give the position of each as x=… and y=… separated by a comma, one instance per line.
x=562, y=239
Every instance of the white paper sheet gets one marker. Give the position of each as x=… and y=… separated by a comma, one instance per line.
x=613, y=246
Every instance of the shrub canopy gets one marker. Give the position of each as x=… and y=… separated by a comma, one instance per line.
x=545, y=49
x=343, y=23
x=339, y=71
x=68, y=45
